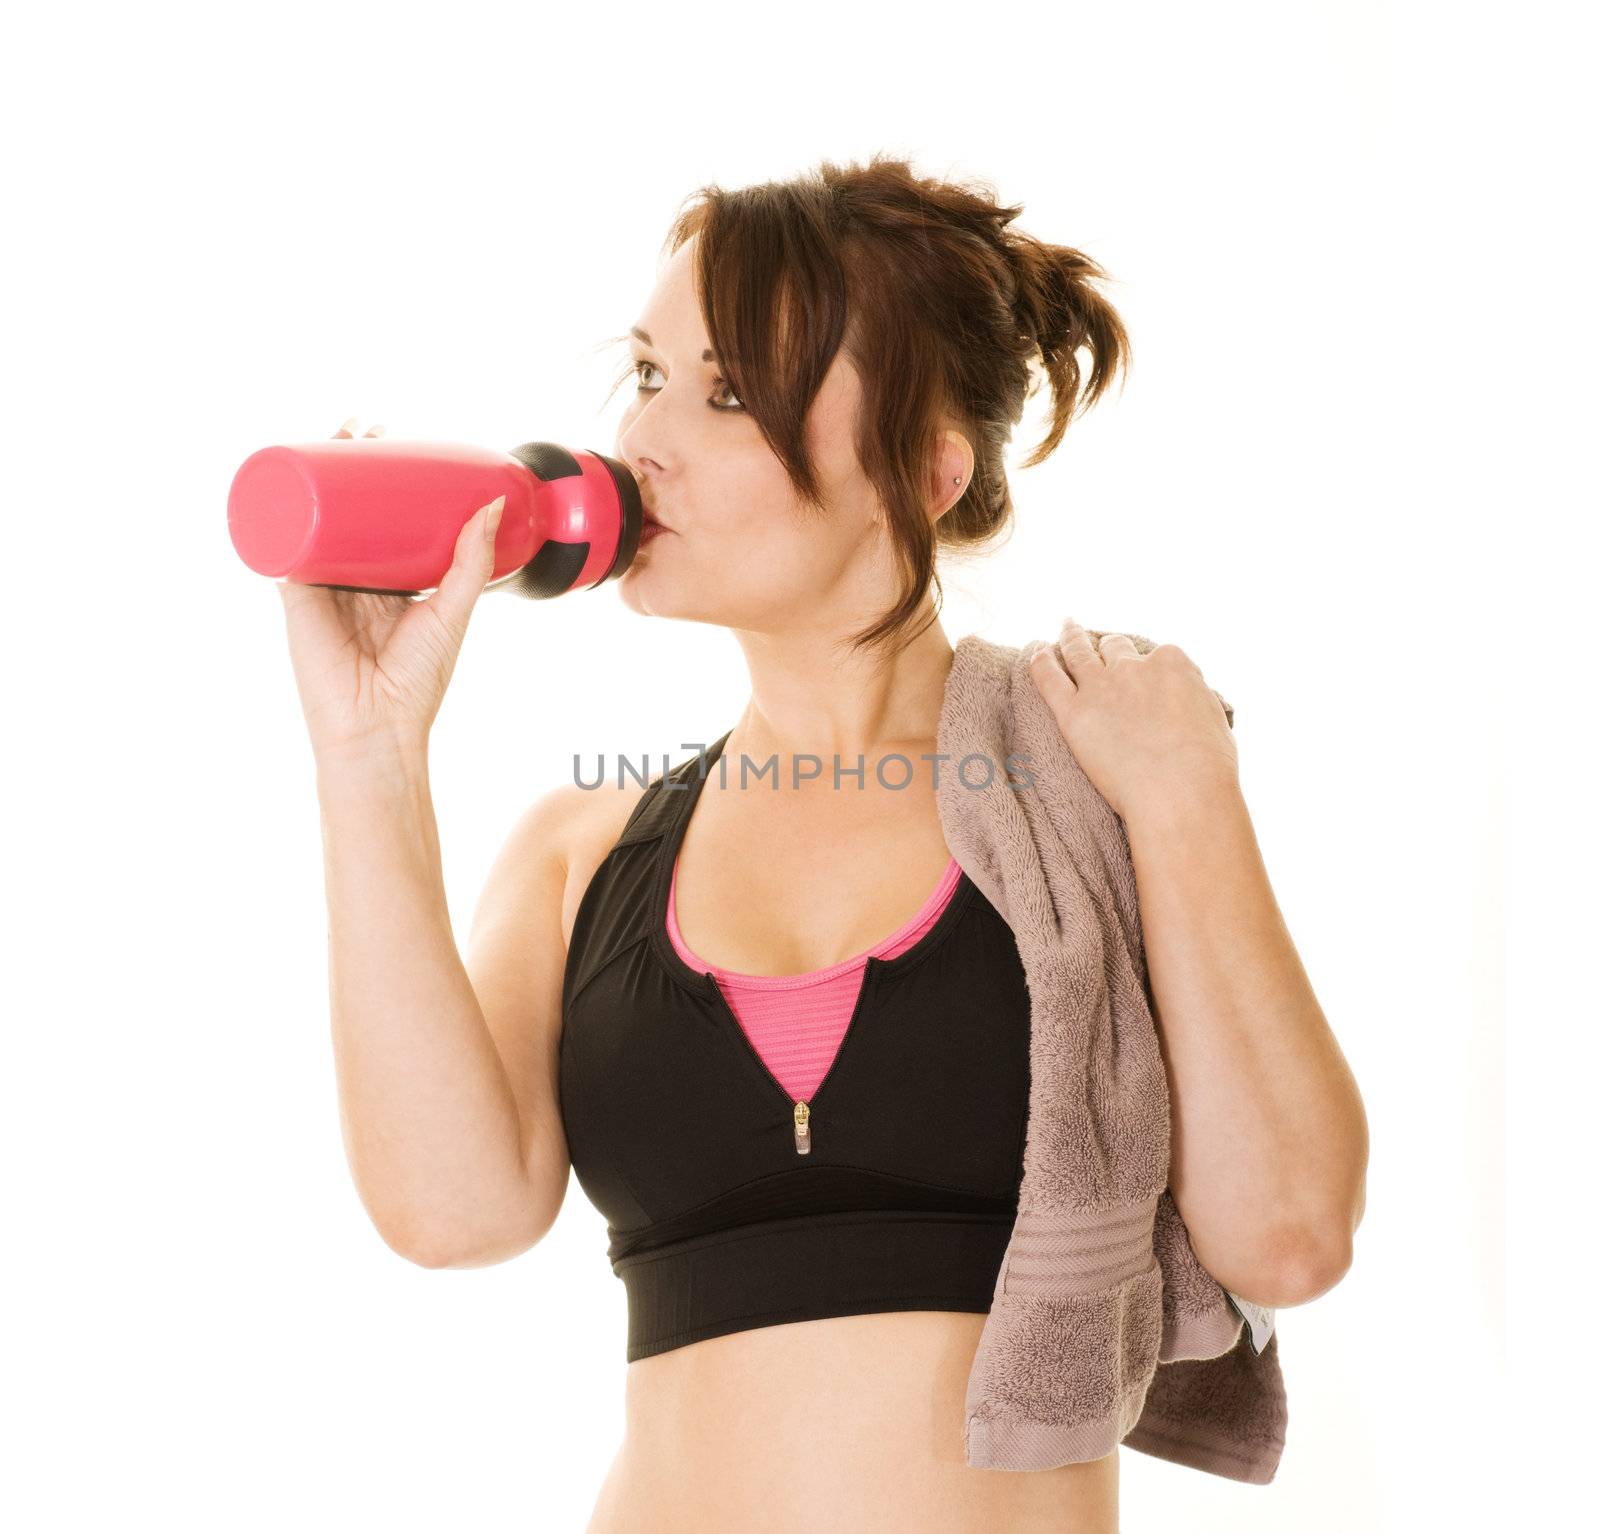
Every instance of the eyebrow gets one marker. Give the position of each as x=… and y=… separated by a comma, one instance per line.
x=644, y=335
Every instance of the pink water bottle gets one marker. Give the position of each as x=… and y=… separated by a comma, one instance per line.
x=371, y=514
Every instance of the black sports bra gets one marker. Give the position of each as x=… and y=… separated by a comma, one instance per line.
x=684, y=1140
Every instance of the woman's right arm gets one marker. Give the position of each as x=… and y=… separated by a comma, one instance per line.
x=433, y=1113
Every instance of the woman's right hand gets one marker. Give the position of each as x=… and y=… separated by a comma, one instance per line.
x=371, y=667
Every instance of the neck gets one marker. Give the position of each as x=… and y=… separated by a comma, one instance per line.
x=811, y=695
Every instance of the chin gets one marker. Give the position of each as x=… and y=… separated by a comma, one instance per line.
x=639, y=592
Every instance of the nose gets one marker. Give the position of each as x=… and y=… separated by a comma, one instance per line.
x=644, y=470
x=646, y=432
x=638, y=444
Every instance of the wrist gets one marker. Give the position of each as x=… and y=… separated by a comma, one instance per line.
x=372, y=764
x=1178, y=801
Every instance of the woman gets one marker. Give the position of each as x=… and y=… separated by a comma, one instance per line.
x=826, y=375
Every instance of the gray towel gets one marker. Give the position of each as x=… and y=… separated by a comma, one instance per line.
x=1104, y=1329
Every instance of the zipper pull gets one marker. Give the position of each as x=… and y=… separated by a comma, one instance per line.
x=802, y=1128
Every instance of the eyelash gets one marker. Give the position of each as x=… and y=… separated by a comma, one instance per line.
x=719, y=383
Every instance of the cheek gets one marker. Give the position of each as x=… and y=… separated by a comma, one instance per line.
x=744, y=505
x=748, y=526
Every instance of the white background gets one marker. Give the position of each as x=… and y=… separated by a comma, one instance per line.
x=1345, y=239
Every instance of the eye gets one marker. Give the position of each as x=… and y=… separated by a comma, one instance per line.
x=722, y=383
x=717, y=383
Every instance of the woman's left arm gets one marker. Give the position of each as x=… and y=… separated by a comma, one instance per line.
x=1269, y=1135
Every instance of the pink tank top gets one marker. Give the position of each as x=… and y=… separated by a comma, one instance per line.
x=796, y=1022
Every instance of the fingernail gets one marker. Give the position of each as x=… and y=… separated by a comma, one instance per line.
x=349, y=425
x=491, y=522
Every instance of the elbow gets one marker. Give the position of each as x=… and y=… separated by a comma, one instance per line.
x=415, y=1247
x=1307, y=1268
x=478, y=1244
x=440, y=1253
x=419, y=1245
x=432, y=1257
x=1309, y=1256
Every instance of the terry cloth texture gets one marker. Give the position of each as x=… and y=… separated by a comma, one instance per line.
x=1104, y=1329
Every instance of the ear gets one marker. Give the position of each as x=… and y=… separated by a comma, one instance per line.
x=952, y=472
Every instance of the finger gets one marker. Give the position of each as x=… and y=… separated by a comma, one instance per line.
x=315, y=610
x=1115, y=647
x=470, y=569
x=1051, y=679
x=1076, y=647
x=348, y=429
x=373, y=431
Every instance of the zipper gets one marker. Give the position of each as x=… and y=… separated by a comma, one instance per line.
x=802, y=1108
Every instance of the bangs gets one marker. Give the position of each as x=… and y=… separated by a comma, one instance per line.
x=772, y=293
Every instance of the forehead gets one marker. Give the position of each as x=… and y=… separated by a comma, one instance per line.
x=672, y=313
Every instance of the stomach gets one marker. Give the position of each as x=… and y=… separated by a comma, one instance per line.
x=850, y=1423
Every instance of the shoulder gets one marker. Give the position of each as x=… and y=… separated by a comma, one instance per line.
x=592, y=820
x=554, y=848
x=575, y=825
x=594, y=817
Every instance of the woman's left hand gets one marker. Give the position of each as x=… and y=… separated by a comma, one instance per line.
x=1145, y=728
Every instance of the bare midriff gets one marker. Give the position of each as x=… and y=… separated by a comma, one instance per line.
x=850, y=1424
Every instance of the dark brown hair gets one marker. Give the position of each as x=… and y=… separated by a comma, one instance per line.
x=941, y=307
